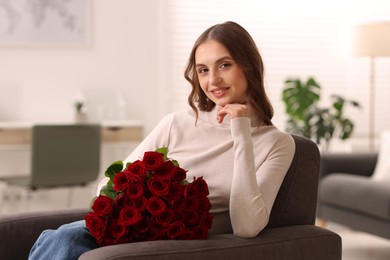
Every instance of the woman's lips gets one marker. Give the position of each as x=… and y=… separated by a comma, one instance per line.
x=220, y=92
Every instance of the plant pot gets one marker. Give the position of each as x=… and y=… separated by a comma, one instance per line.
x=80, y=118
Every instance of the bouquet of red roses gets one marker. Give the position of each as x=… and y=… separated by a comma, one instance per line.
x=149, y=199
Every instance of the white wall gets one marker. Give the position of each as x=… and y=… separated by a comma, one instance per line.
x=41, y=83
x=131, y=51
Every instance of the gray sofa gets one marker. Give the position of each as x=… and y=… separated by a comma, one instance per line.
x=348, y=195
x=290, y=234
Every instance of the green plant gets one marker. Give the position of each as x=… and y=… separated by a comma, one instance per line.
x=307, y=118
x=79, y=105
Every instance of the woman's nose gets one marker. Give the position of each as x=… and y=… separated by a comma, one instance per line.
x=215, y=77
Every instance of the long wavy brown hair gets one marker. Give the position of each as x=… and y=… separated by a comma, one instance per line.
x=245, y=53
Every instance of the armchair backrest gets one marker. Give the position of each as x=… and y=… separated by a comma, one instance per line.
x=296, y=201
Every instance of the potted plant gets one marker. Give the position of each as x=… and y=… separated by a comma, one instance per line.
x=80, y=116
x=306, y=117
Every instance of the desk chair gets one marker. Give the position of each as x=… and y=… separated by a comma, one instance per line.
x=61, y=156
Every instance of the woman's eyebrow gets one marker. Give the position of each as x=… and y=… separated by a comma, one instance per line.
x=217, y=61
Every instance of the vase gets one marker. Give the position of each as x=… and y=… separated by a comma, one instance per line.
x=80, y=118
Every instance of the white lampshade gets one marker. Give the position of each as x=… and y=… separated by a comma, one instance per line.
x=372, y=39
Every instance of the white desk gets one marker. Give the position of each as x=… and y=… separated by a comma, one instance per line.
x=14, y=133
x=119, y=138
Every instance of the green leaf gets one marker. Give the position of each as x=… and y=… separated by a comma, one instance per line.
x=109, y=192
x=113, y=169
x=307, y=118
x=164, y=151
x=176, y=163
x=299, y=97
x=184, y=182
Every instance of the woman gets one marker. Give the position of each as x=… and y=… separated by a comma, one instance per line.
x=227, y=137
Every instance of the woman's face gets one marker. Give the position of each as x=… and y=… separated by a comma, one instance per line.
x=220, y=77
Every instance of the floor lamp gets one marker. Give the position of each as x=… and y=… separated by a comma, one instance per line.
x=372, y=40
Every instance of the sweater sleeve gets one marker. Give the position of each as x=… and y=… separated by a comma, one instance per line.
x=253, y=191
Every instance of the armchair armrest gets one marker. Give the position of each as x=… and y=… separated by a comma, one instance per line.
x=353, y=163
x=20, y=231
x=292, y=242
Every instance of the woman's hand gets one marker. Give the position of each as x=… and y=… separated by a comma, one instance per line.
x=233, y=110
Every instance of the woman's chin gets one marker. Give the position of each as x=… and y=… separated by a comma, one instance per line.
x=221, y=103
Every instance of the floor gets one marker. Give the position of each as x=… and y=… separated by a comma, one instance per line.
x=361, y=246
x=356, y=245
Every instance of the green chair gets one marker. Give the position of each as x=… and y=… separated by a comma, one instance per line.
x=61, y=156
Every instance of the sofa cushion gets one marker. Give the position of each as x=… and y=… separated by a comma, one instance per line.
x=356, y=193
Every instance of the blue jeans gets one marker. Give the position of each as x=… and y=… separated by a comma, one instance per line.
x=67, y=242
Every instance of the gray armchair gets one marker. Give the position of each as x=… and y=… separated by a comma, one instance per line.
x=349, y=196
x=290, y=234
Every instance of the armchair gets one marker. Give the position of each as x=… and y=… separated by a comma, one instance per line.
x=349, y=196
x=290, y=234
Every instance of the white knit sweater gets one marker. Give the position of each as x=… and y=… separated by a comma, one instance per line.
x=243, y=164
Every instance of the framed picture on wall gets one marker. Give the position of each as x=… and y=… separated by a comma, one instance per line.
x=45, y=22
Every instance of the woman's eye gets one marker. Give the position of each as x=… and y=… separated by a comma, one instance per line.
x=202, y=70
x=224, y=65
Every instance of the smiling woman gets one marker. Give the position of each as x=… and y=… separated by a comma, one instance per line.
x=229, y=106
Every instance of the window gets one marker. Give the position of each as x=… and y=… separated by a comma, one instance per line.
x=296, y=39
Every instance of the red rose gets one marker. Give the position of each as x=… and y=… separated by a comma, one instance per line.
x=155, y=206
x=158, y=187
x=137, y=171
x=196, y=189
x=201, y=187
x=190, y=192
x=175, y=229
x=129, y=216
x=158, y=229
x=192, y=204
x=120, y=200
x=165, y=217
x=175, y=191
x=191, y=217
x=153, y=160
x=96, y=225
x=134, y=191
x=186, y=235
x=102, y=205
x=179, y=205
x=204, y=204
x=165, y=170
x=200, y=232
x=140, y=204
x=117, y=230
x=144, y=225
x=106, y=241
x=180, y=216
x=206, y=220
x=178, y=174
x=121, y=181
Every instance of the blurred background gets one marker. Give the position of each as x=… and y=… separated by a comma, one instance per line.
x=129, y=61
